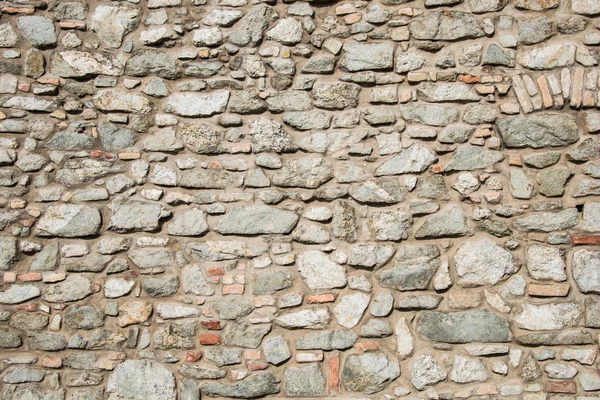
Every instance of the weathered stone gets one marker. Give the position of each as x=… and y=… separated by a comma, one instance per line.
x=112, y=23
x=335, y=96
x=319, y=272
x=152, y=62
x=547, y=317
x=268, y=135
x=37, y=30
x=304, y=381
x=426, y=372
x=548, y=221
x=191, y=223
x=429, y=114
x=482, y=263
x=414, y=266
x=197, y=105
x=414, y=159
x=452, y=222
x=16, y=294
x=114, y=100
x=257, y=220
x=75, y=287
x=470, y=158
x=277, y=350
x=545, y=263
x=254, y=386
x=315, y=318
x=250, y=29
x=463, y=326
x=351, y=308
x=548, y=57
x=369, y=373
x=135, y=216
x=69, y=220
x=586, y=264
x=138, y=380
x=466, y=370
x=445, y=25
x=446, y=92
x=361, y=57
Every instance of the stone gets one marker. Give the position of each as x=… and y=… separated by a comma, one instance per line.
x=16, y=294
x=552, y=182
x=28, y=321
x=277, y=350
x=335, y=96
x=197, y=105
x=463, y=326
x=548, y=57
x=135, y=216
x=315, y=318
x=112, y=23
x=152, y=62
x=414, y=159
x=384, y=191
x=369, y=373
x=141, y=379
x=482, y=263
x=390, y=225
x=548, y=221
x=306, y=173
x=587, y=150
x=350, y=309
x=9, y=37
x=269, y=282
x=268, y=135
x=445, y=92
x=413, y=268
x=585, y=7
x=536, y=5
x=117, y=287
x=232, y=307
x=79, y=64
x=319, y=272
x=114, y=100
x=545, y=263
x=37, y=30
x=361, y=57
x=304, y=381
x=471, y=158
x=250, y=29
x=74, y=287
x=429, y=114
x=327, y=340
x=257, y=220
x=84, y=317
x=8, y=252
x=254, y=386
x=69, y=221
x=426, y=371
x=287, y=31
x=452, y=222
x=586, y=264
x=370, y=255
x=548, y=316
x=445, y=25
x=191, y=223
x=467, y=370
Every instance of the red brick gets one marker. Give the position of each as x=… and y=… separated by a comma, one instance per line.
x=548, y=289
x=216, y=271
x=334, y=374
x=561, y=387
x=257, y=365
x=588, y=239
x=367, y=346
x=193, y=356
x=320, y=298
x=209, y=339
x=213, y=325
x=51, y=362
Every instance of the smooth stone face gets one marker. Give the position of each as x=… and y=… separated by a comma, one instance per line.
x=319, y=272
x=69, y=221
x=350, y=309
x=585, y=7
x=327, y=340
x=256, y=220
x=75, y=287
x=369, y=373
x=470, y=158
x=335, y=96
x=482, y=263
x=414, y=159
x=16, y=294
x=315, y=318
x=466, y=370
x=197, y=105
x=112, y=23
x=277, y=350
x=250, y=29
x=142, y=380
x=446, y=92
x=135, y=216
x=452, y=222
x=80, y=64
x=305, y=173
x=37, y=30
x=463, y=326
x=429, y=114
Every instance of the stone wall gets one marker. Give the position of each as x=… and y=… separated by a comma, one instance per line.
x=239, y=199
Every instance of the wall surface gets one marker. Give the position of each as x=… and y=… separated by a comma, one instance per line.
x=240, y=199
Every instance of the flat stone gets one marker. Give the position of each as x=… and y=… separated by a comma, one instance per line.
x=547, y=317
x=140, y=379
x=350, y=309
x=545, y=263
x=470, y=158
x=112, y=23
x=429, y=114
x=80, y=64
x=548, y=221
x=69, y=221
x=335, y=96
x=84, y=317
x=304, y=381
x=306, y=173
x=250, y=29
x=369, y=373
x=467, y=370
x=445, y=25
x=452, y=222
x=414, y=266
x=37, y=30
x=319, y=272
x=426, y=371
x=114, y=100
x=232, y=307
x=370, y=255
x=552, y=182
x=446, y=92
x=152, y=62
x=202, y=139
x=384, y=191
x=327, y=340
x=277, y=350
x=191, y=223
x=197, y=105
x=482, y=263
x=252, y=387
x=312, y=318
x=74, y=287
x=548, y=57
x=414, y=159
x=135, y=216
x=287, y=31
x=16, y=294
x=269, y=282
x=362, y=57
x=255, y=220
x=586, y=267
x=269, y=136
x=463, y=326
x=585, y=7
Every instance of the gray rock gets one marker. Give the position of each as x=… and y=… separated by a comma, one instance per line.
x=191, y=223
x=335, y=96
x=222, y=357
x=46, y=341
x=306, y=173
x=254, y=220
x=536, y=29
x=351, y=308
x=319, y=272
x=311, y=318
x=135, y=216
x=23, y=374
x=463, y=326
x=250, y=29
x=84, y=317
x=370, y=255
x=30, y=104
x=496, y=55
x=246, y=102
x=384, y=191
x=9, y=340
x=197, y=105
x=482, y=263
x=207, y=37
x=254, y=386
x=80, y=64
x=29, y=321
x=467, y=370
x=277, y=350
x=241, y=335
x=426, y=372
x=8, y=36
x=447, y=223
x=587, y=150
x=304, y=381
x=547, y=57
x=545, y=263
x=470, y=158
x=114, y=100
x=232, y=307
x=69, y=221
x=114, y=138
x=414, y=159
x=429, y=114
x=269, y=136
x=585, y=7
x=152, y=62
x=521, y=186
x=140, y=379
x=369, y=373
x=586, y=264
x=327, y=340
x=552, y=182
x=16, y=294
x=160, y=286
x=287, y=31
x=8, y=252
x=445, y=25
x=207, y=179
x=446, y=92
x=202, y=139
x=37, y=30
x=547, y=317
x=269, y=282
x=414, y=266
x=536, y=5
x=74, y=287
x=112, y=23
x=323, y=64
x=361, y=57
x=548, y=221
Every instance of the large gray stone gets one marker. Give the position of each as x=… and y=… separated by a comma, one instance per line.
x=112, y=23
x=548, y=57
x=426, y=372
x=429, y=114
x=81, y=64
x=482, y=263
x=75, y=287
x=250, y=29
x=69, y=221
x=256, y=220
x=469, y=158
x=445, y=25
x=452, y=222
x=539, y=130
x=152, y=62
x=586, y=270
x=413, y=268
x=307, y=173
x=335, y=96
x=37, y=30
x=135, y=216
x=319, y=272
x=414, y=159
x=548, y=221
x=254, y=386
x=463, y=326
x=446, y=92
x=142, y=380
x=369, y=373
x=197, y=105
x=16, y=294
x=361, y=57
x=268, y=135
x=304, y=381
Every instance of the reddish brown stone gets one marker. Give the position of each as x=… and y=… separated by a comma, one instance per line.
x=561, y=387
x=213, y=325
x=209, y=339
